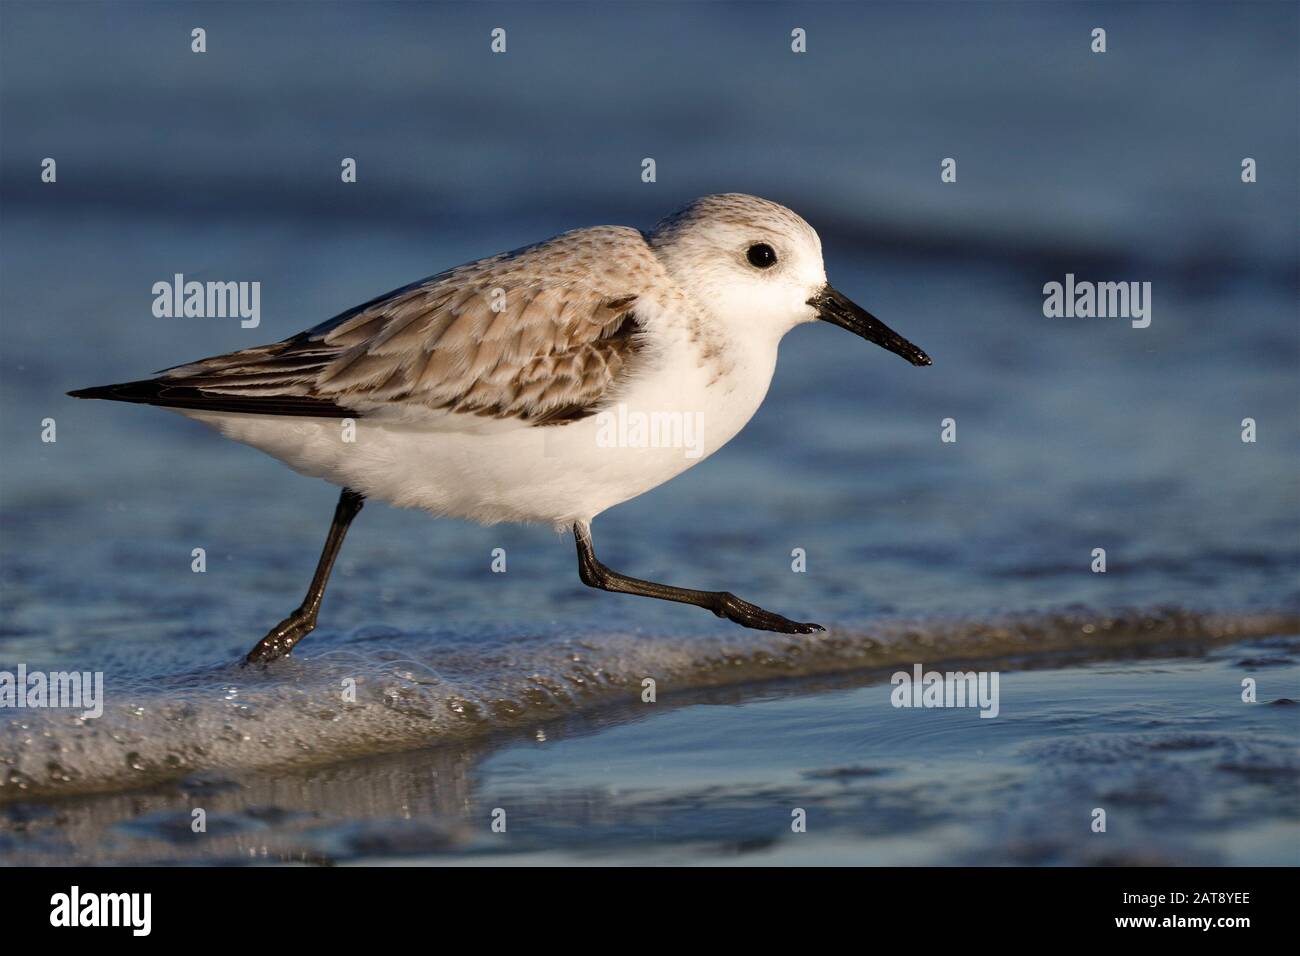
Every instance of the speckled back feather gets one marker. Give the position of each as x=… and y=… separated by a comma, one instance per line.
x=541, y=334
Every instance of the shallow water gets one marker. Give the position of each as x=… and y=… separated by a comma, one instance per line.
x=1186, y=772
x=1072, y=435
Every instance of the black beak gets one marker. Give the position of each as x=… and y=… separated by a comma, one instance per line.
x=840, y=310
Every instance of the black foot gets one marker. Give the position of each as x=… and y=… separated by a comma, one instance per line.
x=281, y=639
x=753, y=616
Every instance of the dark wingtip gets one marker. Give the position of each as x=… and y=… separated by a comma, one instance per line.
x=169, y=393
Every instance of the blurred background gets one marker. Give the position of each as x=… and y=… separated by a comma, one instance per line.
x=1072, y=434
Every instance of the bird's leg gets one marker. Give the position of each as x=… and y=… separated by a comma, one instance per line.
x=722, y=603
x=282, y=638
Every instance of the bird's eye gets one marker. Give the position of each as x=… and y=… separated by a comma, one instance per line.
x=761, y=255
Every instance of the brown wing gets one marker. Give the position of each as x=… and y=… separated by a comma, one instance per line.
x=487, y=344
x=542, y=335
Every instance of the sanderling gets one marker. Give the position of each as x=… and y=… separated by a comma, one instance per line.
x=480, y=392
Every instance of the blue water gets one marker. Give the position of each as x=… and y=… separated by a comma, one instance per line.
x=1072, y=434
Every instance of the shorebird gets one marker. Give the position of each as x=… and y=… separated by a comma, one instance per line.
x=485, y=392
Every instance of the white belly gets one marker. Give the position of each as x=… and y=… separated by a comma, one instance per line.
x=662, y=425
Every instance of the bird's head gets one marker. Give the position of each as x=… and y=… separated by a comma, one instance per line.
x=757, y=268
